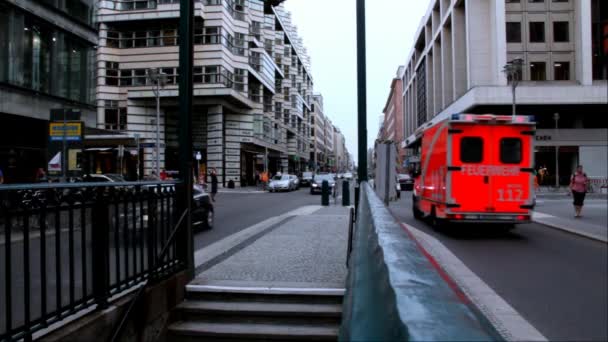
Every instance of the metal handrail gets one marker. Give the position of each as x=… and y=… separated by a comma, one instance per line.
x=125, y=316
x=38, y=186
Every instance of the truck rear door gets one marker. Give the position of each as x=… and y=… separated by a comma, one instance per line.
x=511, y=179
x=468, y=186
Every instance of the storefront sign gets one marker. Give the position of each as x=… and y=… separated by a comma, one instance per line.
x=543, y=138
x=70, y=131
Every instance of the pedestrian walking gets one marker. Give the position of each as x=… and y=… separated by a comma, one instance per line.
x=257, y=178
x=578, y=186
x=213, y=184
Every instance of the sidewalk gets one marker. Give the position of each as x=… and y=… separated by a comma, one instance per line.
x=557, y=212
x=564, y=192
x=307, y=250
x=241, y=190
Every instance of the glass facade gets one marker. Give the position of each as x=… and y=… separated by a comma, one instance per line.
x=81, y=10
x=38, y=56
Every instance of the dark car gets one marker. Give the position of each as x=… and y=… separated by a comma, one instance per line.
x=405, y=181
x=202, y=208
x=306, y=179
x=317, y=182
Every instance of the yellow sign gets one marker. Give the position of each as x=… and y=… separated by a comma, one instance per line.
x=71, y=130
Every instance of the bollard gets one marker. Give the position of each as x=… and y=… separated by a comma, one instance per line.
x=325, y=193
x=345, y=193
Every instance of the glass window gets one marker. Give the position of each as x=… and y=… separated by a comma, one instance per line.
x=512, y=1
x=561, y=32
x=514, y=32
x=197, y=76
x=140, y=77
x=537, y=32
x=169, y=37
x=154, y=38
x=111, y=73
x=140, y=39
x=125, y=78
x=471, y=150
x=561, y=71
x=536, y=0
x=510, y=150
x=538, y=71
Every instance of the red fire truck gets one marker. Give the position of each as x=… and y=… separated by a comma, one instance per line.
x=476, y=168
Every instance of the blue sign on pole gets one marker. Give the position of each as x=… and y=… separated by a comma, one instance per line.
x=69, y=138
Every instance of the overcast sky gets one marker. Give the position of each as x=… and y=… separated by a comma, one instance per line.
x=328, y=28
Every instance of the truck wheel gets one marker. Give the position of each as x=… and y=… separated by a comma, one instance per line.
x=436, y=222
x=418, y=215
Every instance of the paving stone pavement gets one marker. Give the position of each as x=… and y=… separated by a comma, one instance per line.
x=305, y=249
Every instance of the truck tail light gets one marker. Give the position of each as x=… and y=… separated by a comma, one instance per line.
x=522, y=218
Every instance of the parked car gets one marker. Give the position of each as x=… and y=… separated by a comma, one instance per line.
x=348, y=176
x=318, y=182
x=306, y=178
x=406, y=183
x=295, y=181
x=104, y=178
x=280, y=183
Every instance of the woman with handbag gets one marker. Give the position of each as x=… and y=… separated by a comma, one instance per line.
x=578, y=186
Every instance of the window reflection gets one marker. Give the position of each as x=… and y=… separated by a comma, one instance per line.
x=42, y=58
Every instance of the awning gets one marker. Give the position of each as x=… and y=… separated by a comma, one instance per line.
x=55, y=163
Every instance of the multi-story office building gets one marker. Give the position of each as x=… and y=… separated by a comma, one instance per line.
x=317, y=135
x=394, y=128
x=461, y=48
x=252, y=84
x=47, y=56
x=339, y=150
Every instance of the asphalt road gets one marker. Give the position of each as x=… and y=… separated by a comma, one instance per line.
x=237, y=211
x=555, y=280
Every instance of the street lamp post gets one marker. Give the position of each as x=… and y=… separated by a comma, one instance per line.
x=159, y=79
x=513, y=71
x=556, y=118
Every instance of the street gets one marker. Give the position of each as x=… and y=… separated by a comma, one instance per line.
x=555, y=280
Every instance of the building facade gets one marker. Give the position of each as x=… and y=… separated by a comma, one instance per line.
x=394, y=128
x=461, y=48
x=47, y=58
x=252, y=85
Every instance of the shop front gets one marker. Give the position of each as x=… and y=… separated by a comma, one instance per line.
x=558, y=152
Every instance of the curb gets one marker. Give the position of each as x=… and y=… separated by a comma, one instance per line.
x=571, y=231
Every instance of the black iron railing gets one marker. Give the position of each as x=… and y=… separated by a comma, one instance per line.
x=71, y=247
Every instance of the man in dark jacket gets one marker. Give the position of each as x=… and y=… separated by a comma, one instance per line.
x=213, y=184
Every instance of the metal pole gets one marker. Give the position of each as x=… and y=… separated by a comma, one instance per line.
x=158, y=125
x=186, y=23
x=556, y=117
x=514, y=88
x=361, y=92
x=64, y=166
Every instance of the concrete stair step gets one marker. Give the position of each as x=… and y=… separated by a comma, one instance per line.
x=261, y=309
x=187, y=331
x=262, y=294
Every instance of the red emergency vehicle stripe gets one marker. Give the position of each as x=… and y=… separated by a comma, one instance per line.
x=444, y=275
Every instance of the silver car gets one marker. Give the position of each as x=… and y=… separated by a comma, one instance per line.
x=280, y=183
x=295, y=182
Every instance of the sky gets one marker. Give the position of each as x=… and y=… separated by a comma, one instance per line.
x=328, y=28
